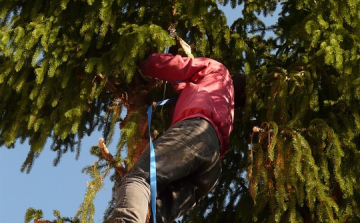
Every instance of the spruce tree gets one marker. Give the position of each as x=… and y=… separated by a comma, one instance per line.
x=69, y=68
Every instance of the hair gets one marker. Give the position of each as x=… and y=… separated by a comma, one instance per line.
x=239, y=82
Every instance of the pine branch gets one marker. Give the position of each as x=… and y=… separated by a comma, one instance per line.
x=264, y=29
x=41, y=221
x=107, y=155
x=121, y=96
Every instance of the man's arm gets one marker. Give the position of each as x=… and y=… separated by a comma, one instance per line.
x=174, y=68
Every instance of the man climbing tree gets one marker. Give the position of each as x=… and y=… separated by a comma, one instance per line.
x=188, y=154
x=303, y=93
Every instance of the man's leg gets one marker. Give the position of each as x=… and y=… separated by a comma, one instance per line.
x=188, y=147
x=199, y=173
x=181, y=195
x=132, y=200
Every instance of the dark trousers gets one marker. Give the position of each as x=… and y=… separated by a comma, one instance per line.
x=187, y=165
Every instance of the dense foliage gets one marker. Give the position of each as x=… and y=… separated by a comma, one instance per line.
x=69, y=68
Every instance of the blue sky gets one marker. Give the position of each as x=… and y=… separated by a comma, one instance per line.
x=48, y=187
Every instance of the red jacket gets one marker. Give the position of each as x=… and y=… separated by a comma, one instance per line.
x=206, y=90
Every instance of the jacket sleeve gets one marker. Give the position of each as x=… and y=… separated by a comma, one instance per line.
x=175, y=68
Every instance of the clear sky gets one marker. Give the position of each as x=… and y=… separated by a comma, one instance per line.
x=48, y=187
